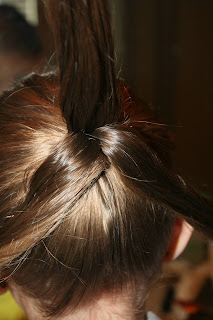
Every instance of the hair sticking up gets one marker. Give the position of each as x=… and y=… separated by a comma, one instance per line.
x=89, y=90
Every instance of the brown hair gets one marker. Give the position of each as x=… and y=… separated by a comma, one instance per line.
x=87, y=196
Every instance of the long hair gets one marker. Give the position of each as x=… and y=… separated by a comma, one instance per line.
x=87, y=194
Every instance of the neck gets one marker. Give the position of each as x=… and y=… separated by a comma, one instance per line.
x=117, y=306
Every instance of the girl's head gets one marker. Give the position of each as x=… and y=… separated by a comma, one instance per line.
x=88, y=200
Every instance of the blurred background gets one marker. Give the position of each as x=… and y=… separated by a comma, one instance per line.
x=164, y=52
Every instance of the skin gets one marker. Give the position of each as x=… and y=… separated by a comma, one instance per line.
x=116, y=306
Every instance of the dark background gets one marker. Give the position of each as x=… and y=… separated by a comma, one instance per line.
x=167, y=53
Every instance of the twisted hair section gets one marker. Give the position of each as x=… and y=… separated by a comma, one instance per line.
x=87, y=194
x=75, y=226
x=85, y=211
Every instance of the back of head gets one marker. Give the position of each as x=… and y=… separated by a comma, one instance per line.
x=87, y=199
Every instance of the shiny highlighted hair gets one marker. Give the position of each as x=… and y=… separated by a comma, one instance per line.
x=87, y=194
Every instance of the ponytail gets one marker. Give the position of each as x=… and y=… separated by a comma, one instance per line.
x=89, y=94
